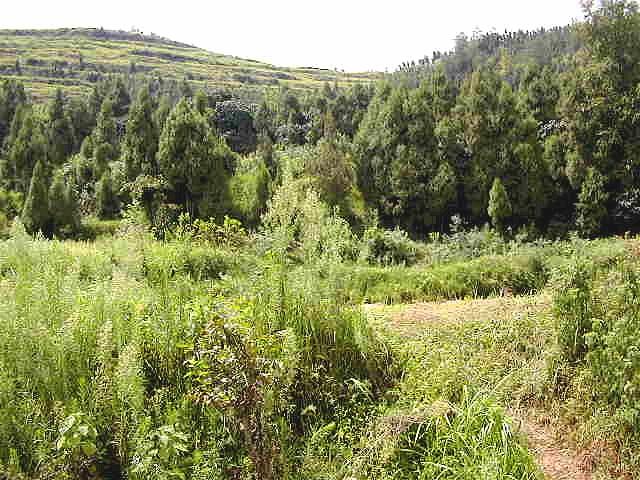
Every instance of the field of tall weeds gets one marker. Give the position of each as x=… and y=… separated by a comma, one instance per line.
x=232, y=355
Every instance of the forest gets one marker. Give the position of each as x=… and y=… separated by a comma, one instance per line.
x=430, y=275
x=532, y=131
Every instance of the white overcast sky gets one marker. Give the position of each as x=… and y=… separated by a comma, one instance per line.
x=355, y=35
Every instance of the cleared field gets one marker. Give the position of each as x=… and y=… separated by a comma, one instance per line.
x=74, y=59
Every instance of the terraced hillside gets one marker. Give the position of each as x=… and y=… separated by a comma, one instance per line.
x=74, y=59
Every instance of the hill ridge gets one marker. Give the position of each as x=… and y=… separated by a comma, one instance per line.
x=75, y=59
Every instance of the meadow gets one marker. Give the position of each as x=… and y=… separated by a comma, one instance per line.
x=218, y=353
x=75, y=59
x=212, y=268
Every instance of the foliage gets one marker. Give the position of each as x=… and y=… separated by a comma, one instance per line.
x=77, y=441
x=248, y=376
x=193, y=161
x=250, y=190
x=499, y=205
x=159, y=454
x=63, y=205
x=140, y=142
x=388, y=247
x=36, y=215
x=107, y=201
x=597, y=316
x=482, y=277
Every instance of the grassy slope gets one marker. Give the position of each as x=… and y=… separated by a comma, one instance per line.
x=70, y=58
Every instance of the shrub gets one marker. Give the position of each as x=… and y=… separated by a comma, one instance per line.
x=597, y=314
x=248, y=376
x=464, y=244
x=10, y=203
x=573, y=311
x=388, y=247
x=482, y=277
x=93, y=228
x=77, y=442
x=164, y=261
x=230, y=233
x=299, y=224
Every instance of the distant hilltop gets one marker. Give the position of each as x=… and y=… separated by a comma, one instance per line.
x=97, y=33
x=75, y=59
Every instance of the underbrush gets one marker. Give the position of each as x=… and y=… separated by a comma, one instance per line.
x=446, y=420
x=482, y=277
x=219, y=354
x=596, y=379
x=120, y=360
x=525, y=268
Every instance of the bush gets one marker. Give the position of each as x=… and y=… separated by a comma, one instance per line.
x=598, y=323
x=93, y=228
x=388, y=247
x=573, y=311
x=164, y=261
x=482, y=277
x=464, y=244
x=10, y=203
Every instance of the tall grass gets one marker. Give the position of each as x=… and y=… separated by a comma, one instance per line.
x=82, y=330
x=99, y=343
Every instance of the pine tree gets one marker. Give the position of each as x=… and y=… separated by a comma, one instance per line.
x=108, y=204
x=73, y=206
x=140, y=142
x=499, y=209
x=162, y=112
x=105, y=131
x=591, y=206
x=63, y=206
x=35, y=214
x=59, y=131
x=201, y=102
x=12, y=94
x=499, y=139
x=119, y=98
x=29, y=146
x=192, y=159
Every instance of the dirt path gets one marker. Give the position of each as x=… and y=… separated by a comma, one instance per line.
x=557, y=459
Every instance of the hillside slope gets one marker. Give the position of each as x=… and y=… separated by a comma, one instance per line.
x=75, y=59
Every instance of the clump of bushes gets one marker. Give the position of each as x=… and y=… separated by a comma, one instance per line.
x=598, y=323
x=482, y=277
x=388, y=247
x=167, y=260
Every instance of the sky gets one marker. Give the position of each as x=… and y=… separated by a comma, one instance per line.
x=352, y=35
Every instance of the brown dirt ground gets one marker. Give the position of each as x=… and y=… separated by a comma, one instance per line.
x=557, y=459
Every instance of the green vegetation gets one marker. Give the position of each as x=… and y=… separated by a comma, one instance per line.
x=75, y=59
x=203, y=282
x=215, y=351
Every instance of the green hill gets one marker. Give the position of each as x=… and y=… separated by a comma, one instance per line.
x=75, y=59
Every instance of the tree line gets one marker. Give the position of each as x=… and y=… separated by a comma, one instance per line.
x=548, y=146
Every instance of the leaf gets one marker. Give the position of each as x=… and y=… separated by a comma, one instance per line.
x=89, y=449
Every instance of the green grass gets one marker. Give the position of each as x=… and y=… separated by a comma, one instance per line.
x=448, y=419
x=124, y=356
x=101, y=332
x=114, y=52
